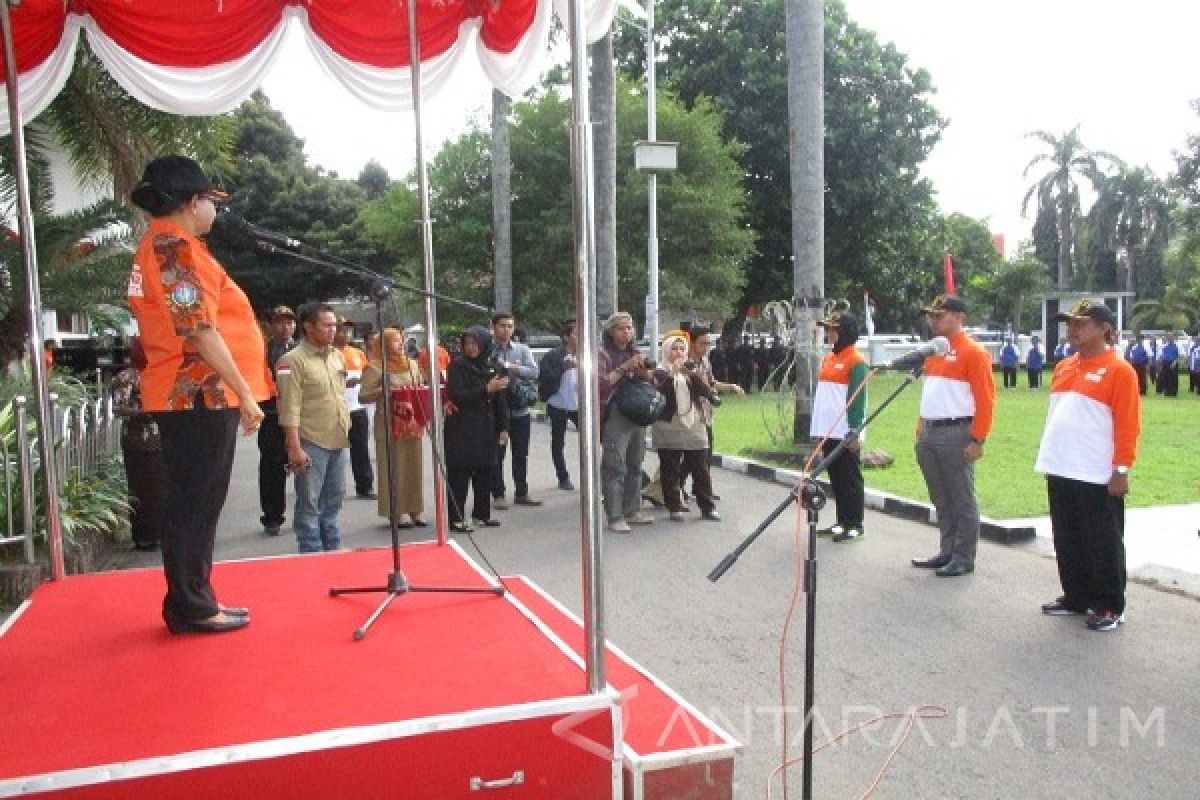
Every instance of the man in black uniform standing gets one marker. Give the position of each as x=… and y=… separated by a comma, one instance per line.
x=272, y=454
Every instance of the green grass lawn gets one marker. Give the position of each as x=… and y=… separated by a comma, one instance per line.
x=1167, y=469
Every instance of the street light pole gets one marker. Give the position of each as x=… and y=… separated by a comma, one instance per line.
x=651, y=189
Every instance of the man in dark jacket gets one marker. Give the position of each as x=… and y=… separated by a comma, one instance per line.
x=476, y=430
x=558, y=388
x=272, y=455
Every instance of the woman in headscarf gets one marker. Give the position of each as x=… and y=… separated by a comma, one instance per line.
x=681, y=437
x=475, y=430
x=205, y=371
x=402, y=476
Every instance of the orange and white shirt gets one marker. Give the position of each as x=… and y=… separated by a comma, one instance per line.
x=1094, y=418
x=960, y=384
x=177, y=288
x=841, y=375
x=356, y=362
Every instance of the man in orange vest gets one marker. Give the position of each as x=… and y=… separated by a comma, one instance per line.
x=360, y=425
x=1087, y=450
x=958, y=396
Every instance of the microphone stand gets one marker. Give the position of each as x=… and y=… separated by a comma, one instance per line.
x=812, y=497
x=397, y=582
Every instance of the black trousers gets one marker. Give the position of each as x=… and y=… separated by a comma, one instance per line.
x=673, y=465
x=360, y=452
x=146, y=478
x=1010, y=377
x=1194, y=381
x=1168, y=380
x=1035, y=377
x=708, y=461
x=518, y=437
x=198, y=448
x=1140, y=369
x=272, y=473
x=479, y=481
x=845, y=477
x=1089, y=544
x=558, y=438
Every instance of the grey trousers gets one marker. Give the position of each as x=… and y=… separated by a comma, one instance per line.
x=621, y=465
x=950, y=479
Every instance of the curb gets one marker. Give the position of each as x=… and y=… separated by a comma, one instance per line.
x=883, y=502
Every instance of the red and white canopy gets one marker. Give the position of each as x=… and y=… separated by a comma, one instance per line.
x=207, y=56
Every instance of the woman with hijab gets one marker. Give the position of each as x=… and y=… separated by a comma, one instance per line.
x=402, y=476
x=205, y=370
x=681, y=437
x=842, y=373
x=476, y=429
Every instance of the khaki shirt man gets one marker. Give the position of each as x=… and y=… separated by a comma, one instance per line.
x=316, y=424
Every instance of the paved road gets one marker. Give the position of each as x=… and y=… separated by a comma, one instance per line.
x=1039, y=707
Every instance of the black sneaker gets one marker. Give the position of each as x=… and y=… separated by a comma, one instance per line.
x=1056, y=608
x=848, y=535
x=1105, y=621
x=832, y=530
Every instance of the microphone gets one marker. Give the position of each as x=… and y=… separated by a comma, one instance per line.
x=937, y=346
x=261, y=235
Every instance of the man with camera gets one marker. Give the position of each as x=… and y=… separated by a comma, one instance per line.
x=623, y=439
x=515, y=360
x=558, y=387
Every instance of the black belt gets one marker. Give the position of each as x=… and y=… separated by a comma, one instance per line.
x=946, y=422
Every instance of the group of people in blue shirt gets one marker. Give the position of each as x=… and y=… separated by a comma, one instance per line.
x=1035, y=362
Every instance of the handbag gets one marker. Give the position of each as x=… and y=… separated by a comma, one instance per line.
x=641, y=402
x=521, y=394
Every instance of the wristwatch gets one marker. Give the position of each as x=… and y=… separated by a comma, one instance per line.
x=1121, y=470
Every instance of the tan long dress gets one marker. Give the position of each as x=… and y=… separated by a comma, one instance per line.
x=407, y=462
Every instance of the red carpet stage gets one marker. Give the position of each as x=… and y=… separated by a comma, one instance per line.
x=101, y=702
x=448, y=695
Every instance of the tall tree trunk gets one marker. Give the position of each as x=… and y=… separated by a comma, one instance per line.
x=501, y=203
x=806, y=119
x=604, y=142
x=1064, y=235
x=1130, y=270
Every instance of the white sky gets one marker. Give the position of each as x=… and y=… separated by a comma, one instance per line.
x=1125, y=71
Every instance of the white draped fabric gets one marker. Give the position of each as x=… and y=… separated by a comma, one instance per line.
x=219, y=87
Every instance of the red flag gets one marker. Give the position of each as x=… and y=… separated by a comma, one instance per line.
x=948, y=273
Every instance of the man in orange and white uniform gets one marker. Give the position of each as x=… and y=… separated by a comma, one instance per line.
x=839, y=406
x=957, y=400
x=360, y=423
x=1088, y=447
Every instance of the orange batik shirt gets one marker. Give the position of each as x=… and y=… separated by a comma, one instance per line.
x=177, y=288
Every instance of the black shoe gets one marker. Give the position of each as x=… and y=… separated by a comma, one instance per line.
x=271, y=530
x=954, y=567
x=461, y=527
x=145, y=546
x=1058, y=608
x=1105, y=621
x=488, y=523
x=937, y=562
x=235, y=611
x=526, y=500
x=230, y=623
x=848, y=535
x=712, y=515
x=832, y=530
x=367, y=495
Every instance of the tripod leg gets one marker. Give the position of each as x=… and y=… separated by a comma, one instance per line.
x=362, y=630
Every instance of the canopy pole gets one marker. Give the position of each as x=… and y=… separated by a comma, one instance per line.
x=37, y=367
x=440, y=524
x=583, y=208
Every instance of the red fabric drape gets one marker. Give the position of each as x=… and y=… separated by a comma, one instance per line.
x=198, y=33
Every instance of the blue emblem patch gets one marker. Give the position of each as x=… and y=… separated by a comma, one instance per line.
x=185, y=295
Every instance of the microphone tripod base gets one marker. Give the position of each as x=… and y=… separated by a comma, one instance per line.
x=398, y=585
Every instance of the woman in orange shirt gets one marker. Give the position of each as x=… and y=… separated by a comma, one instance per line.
x=205, y=369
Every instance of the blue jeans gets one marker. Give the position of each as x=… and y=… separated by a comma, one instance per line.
x=319, y=493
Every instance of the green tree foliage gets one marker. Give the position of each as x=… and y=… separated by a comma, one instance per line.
x=1130, y=218
x=703, y=242
x=273, y=186
x=1008, y=295
x=880, y=217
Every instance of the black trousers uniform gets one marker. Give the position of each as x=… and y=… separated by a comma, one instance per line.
x=558, y=438
x=479, y=481
x=272, y=462
x=518, y=437
x=1089, y=544
x=198, y=447
x=845, y=477
x=360, y=452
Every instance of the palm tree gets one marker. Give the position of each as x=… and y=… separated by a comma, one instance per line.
x=1175, y=310
x=1058, y=187
x=1134, y=208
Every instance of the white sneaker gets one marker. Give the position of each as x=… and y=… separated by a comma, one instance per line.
x=640, y=519
x=620, y=526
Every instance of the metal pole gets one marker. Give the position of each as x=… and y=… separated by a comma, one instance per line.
x=585, y=314
x=431, y=331
x=652, y=321
x=37, y=367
